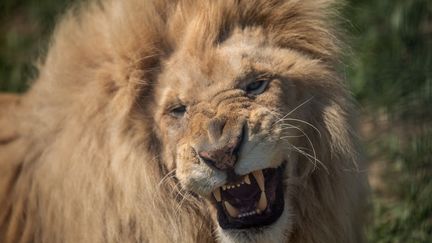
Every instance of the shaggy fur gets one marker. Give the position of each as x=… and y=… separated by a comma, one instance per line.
x=86, y=154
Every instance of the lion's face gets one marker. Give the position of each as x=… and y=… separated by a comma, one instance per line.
x=222, y=116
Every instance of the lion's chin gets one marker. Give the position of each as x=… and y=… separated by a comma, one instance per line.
x=253, y=201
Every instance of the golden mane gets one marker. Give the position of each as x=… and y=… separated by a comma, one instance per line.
x=75, y=167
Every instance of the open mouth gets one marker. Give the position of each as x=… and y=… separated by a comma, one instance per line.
x=255, y=200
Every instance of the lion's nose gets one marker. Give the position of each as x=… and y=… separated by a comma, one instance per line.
x=222, y=158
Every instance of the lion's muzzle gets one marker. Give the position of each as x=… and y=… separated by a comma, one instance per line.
x=222, y=157
x=226, y=139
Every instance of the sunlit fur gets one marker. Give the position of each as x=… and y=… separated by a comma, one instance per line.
x=87, y=154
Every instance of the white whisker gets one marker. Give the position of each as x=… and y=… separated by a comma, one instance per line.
x=293, y=110
x=167, y=176
x=310, y=143
x=304, y=122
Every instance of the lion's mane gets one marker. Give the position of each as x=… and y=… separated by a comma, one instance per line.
x=76, y=167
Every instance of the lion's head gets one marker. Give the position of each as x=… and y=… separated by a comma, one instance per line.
x=243, y=119
x=174, y=120
x=223, y=117
x=238, y=120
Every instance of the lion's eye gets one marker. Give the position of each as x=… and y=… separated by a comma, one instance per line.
x=178, y=111
x=256, y=87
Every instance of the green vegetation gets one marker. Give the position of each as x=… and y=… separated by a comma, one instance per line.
x=24, y=26
x=389, y=72
x=391, y=77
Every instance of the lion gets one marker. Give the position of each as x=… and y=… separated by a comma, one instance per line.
x=185, y=121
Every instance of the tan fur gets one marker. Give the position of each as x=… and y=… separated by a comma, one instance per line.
x=85, y=155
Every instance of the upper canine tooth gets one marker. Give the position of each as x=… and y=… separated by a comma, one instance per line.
x=232, y=211
x=224, y=188
x=259, y=177
x=247, y=180
x=217, y=194
x=262, y=204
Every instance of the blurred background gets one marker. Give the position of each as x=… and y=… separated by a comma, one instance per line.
x=389, y=70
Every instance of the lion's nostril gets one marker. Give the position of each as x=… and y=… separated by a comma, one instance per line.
x=206, y=156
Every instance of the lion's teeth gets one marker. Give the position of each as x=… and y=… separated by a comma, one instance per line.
x=259, y=177
x=247, y=180
x=217, y=194
x=224, y=188
x=262, y=204
x=232, y=211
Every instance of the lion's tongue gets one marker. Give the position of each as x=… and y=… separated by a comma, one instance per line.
x=241, y=200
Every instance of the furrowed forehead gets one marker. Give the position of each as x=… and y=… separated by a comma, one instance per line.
x=219, y=66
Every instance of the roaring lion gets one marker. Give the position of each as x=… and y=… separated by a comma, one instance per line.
x=184, y=121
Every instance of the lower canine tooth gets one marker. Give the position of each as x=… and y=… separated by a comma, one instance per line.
x=247, y=180
x=259, y=177
x=232, y=211
x=217, y=194
x=262, y=204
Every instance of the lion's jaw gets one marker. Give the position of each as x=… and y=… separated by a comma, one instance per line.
x=205, y=106
x=259, y=174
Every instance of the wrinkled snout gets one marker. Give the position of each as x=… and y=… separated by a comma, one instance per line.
x=222, y=158
x=219, y=147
